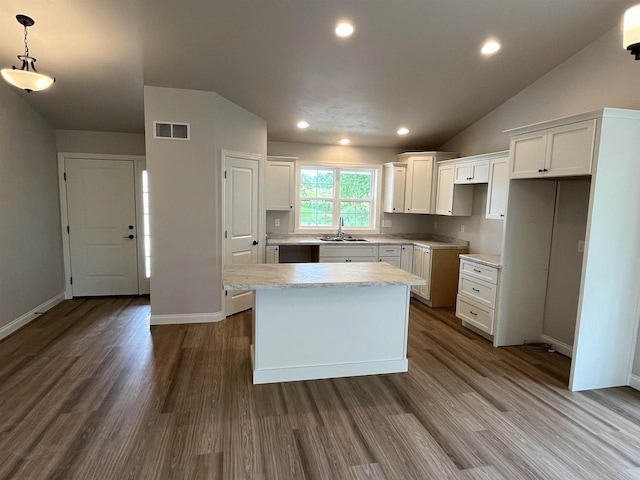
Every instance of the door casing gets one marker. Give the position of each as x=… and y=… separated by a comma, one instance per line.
x=139, y=162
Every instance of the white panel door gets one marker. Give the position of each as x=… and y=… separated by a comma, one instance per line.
x=102, y=227
x=241, y=193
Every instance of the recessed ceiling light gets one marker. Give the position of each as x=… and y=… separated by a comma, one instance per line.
x=345, y=141
x=302, y=124
x=403, y=131
x=490, y=47
x=344, y=30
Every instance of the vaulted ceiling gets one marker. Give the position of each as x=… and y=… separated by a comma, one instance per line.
x=413, y=63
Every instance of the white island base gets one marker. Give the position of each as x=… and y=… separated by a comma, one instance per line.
x=330, y=325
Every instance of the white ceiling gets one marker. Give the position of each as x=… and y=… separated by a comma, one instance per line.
x=409, y=62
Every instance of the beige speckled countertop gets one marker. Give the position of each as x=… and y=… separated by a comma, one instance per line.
x=484, y=258
x=308, y=275
x=376, y=240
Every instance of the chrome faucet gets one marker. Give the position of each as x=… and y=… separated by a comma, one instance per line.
x=340, y=225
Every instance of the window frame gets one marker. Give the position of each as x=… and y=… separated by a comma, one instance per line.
x=375, y=200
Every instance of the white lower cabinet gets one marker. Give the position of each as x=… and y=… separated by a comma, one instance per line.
x=397, y=255
x=477, y=295
x=272, y=254
x=422, y=268
x=348, y=253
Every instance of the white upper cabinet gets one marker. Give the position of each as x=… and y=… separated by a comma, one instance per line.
x=395, y=175
x=451, y=199
x=279, y=183
x=472, y=171
x=565, y=150
x=420, y=180
x=498, y=188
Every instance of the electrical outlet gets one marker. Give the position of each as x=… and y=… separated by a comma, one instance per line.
x=581, y=245
x=277, y=222
x=386, y=223
x=462, y=228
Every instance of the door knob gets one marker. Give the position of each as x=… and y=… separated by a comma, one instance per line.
x=130, y=237
x=255, y=242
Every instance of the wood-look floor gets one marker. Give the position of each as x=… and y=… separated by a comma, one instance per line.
x=89, y=392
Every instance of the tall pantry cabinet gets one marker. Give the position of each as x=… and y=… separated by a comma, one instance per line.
x=605, y=146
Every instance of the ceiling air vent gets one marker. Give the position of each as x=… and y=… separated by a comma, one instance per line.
x=172, y=131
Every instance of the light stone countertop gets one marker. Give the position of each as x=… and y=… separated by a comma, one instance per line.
x=491, y=260
x=376, y=240
x=308, y=275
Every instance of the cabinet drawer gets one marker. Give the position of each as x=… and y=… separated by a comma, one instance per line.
x=349, y=250
x=483, y=272
x=480, y=291
x=480, y=317
x=389, y=250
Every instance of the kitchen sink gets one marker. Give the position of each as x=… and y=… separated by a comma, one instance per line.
x=347, y=238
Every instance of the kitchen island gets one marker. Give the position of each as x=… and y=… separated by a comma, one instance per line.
x=326, y=320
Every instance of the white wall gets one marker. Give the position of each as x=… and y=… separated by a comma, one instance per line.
x=100, y=142
x=185, y=195
x=31, y=265
x=401, y=222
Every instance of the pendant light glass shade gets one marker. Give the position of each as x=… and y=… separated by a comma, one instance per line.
x=26, y=77
x=26, y=80
x=631, y=37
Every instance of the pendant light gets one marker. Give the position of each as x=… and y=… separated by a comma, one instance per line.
x=26, y=77
x=631, y=39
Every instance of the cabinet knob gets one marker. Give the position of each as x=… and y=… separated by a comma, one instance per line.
x=540, y=170
x=290, y=206
x=502, y=214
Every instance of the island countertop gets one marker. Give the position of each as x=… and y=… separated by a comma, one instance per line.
x=311, y=275
x=436, y=242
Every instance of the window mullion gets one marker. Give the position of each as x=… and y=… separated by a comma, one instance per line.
x=336, y=197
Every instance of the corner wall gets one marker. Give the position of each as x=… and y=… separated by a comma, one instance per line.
x=31, y=264
x=185, y=196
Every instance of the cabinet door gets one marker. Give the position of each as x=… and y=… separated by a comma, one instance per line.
x=426, y=273
x=444, y=190
x=417, y=267
x=419, y=181
x=399, y=181
x=498, y=188
x=406, y=258
x=570, y=149
x=463, y=173
x=279, y=185
x=528, y=152
x=394, y=261
x=480, y=172
x=271, y=254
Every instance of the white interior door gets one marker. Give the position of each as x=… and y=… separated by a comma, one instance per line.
x=102, y=227
x=241, y=200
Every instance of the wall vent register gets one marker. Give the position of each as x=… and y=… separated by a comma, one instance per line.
x=172, y=131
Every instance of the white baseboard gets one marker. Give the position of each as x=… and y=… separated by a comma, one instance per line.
x=180, y=319
x=634, y=381
x=558, y=346
x=30, y=316
x=337, y=370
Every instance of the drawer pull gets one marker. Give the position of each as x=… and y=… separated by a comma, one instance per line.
x=477, y=271
x=473, y=313
x=475, y=289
